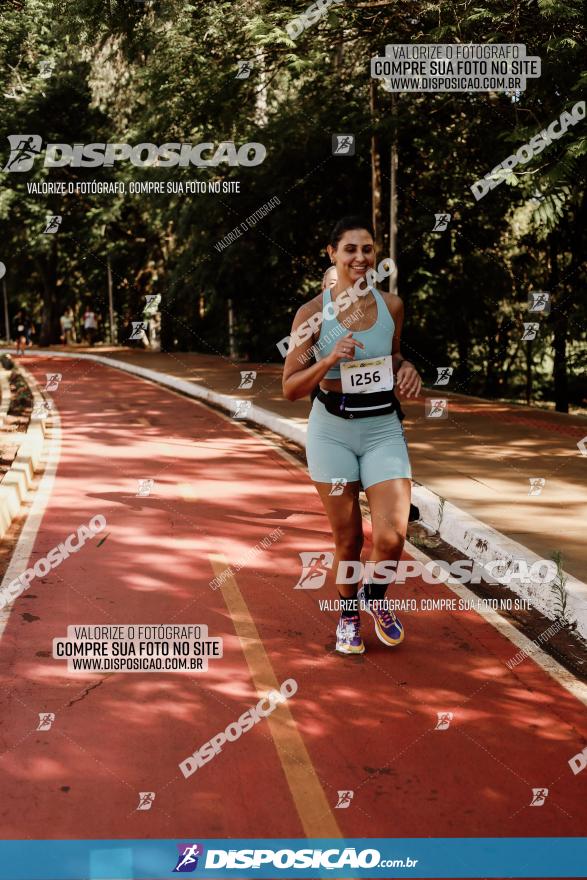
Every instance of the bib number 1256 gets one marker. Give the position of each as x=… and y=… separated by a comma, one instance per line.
x=367, y=376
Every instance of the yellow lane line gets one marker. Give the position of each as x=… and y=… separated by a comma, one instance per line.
x=311, y=802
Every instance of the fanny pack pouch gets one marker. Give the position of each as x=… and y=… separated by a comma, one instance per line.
x=360, y=406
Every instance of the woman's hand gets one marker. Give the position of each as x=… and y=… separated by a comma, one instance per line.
x=344, y=348
x=407, y=380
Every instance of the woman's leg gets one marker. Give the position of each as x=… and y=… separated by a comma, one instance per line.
x=332, y=461
x=389, y=502
x=344, y=514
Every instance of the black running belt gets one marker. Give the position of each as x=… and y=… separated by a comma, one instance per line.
x=360, y=406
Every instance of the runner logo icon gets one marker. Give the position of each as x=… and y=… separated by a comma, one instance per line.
x=444, y=374
x=151, y=305
x=537, y=484
x=343, y=145
x=344, y=800
x=53, y=223
x=46, y=69
x=539, y=301
x=24, y=149
x=242, y=408
x=530, y=331
x=139, y=328
x=146, y=799
x=247, y=378
x=436, y=408
x=53, y=380
x=144, y=488
x=441, y=222
x=46, y=719
x=315, y=565
x=444, y=719
x=187, y=860
x=244, y=69
x=539, y=795
x=338, y=485
x=42, y=409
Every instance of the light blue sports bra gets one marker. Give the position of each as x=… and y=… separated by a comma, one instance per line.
x=376, y=339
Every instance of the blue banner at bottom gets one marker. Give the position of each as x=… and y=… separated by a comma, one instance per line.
x=352, y=857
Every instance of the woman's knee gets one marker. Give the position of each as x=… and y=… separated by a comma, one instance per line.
x=348, y=544
x=388, y=543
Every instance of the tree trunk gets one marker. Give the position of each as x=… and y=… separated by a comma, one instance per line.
x=561, y=385
x=393, y=196
x=376, y=212
x=491, y=374
x=463, y=345
x=560, y=326
x=51, y=312
x=528, y=372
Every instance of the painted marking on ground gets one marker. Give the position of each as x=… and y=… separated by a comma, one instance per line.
x=24, y=545
x=311, y=802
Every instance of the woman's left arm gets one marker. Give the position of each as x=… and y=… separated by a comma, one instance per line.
x=407, y=378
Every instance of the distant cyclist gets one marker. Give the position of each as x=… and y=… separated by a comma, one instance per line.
x=354, y=433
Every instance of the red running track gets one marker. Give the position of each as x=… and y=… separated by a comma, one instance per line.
x=366, y=724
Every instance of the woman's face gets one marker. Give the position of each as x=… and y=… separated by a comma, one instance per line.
x=353, y=255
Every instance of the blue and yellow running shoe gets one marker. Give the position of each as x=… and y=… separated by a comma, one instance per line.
x=388, y=628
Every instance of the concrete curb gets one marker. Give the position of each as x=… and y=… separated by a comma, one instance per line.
x=6, y=395
x=18, y=479
x=462, y=531
x=482, y=543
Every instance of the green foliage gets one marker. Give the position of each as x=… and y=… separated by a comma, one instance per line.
x=165, y=71
x=559, y=590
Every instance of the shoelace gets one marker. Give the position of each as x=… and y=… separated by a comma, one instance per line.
x=386, y=618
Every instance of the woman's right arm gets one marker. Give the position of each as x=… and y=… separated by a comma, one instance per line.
x=299, y=380
x=301, y=373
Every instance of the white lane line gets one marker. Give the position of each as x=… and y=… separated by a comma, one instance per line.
x=24, y=546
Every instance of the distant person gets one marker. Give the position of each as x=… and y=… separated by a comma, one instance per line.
x=127, y=325
x=90, y=320
x=21, y=331
x=67, y=327
x=329, y=278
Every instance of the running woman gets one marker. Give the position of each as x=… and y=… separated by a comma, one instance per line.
x=356, y=438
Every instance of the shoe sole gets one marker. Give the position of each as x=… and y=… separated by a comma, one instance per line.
x=381, y=636
x=350, y=651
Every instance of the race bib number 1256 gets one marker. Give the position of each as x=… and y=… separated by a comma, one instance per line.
x=367, y=376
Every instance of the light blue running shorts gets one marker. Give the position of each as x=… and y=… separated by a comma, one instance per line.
x=371, y=449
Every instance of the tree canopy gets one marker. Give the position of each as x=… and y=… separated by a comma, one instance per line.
x=124, y=71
